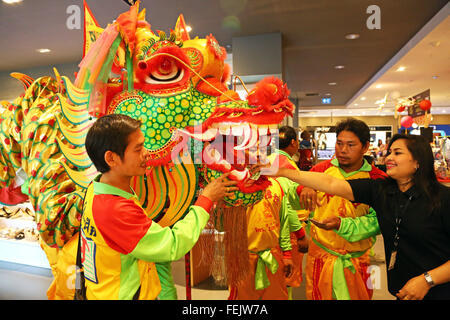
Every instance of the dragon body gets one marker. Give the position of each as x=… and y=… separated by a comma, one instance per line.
x=195, y=129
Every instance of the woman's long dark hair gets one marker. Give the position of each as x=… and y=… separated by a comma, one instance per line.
x=425, y=177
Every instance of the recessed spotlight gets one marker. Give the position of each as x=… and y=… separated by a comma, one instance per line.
x=378, y=86
x=43, y=50
x=332, y=83
x=352, y=36
x=435, y=44
x=363, y=98
x=401, y=69
x=356, y=104
x=12, y=1
x=188, y=28
x=339, y=67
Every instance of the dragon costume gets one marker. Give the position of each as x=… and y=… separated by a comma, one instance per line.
x=195, y=130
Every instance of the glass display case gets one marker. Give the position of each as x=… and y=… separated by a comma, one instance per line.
x=19, y=237
x=441, y=152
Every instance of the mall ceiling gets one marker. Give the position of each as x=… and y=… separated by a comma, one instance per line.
x=313, y=35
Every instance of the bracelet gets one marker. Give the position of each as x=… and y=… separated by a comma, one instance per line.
x=429, y=279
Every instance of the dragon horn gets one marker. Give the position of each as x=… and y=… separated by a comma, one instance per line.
x=58, y=80
x=26, y=80
x=180, y=29
x=92, y=29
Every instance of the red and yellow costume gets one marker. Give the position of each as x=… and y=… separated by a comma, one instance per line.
x=284, y=160
x=120, y=243
x=336, y=268
x=268, y=242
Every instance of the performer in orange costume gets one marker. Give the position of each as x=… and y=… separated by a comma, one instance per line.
x=338, y=261
x=269, y=249
x=282, y=157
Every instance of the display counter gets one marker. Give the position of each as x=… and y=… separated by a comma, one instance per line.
x=19, y=237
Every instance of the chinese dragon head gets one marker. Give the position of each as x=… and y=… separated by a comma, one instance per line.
x=195, y=127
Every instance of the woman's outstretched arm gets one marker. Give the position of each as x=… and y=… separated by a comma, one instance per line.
x=317, y=181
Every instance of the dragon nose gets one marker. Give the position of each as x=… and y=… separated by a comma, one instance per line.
x=142, y=65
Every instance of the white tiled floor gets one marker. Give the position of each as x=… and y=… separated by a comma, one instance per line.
x=19, y=282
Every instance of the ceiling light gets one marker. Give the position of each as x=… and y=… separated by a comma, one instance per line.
x=363, y=98
x=356, y=104
x=43, y=50
x=352, y=36
x=401, y=69
x=328, y=94
x=435, y=44
x=378, y=86
x=332, y=83
x=188, y=28
x=12, y=1
x=339, y=67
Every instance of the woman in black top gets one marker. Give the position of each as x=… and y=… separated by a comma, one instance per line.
x=413, y=211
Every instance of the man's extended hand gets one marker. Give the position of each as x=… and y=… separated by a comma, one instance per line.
x=308, y=199
x=328, y=224
x=288, y=267
x=302, y=245
x=219, y=188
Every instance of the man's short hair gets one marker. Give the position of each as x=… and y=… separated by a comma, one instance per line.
x=109, y=133
x=305, y=135
x=287, y=134
x=358, y=127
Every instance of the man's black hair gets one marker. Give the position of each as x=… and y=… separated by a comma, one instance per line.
x=305, y=135
x=358, y=127
x=287, y=134
x=109, y=133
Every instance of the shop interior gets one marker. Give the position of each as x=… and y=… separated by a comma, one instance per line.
x=335, y=63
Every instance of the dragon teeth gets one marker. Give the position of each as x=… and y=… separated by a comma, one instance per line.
x=237, y=130
x=262, y=130
x=247, y=135
x=205, y=136
x=224, y=129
